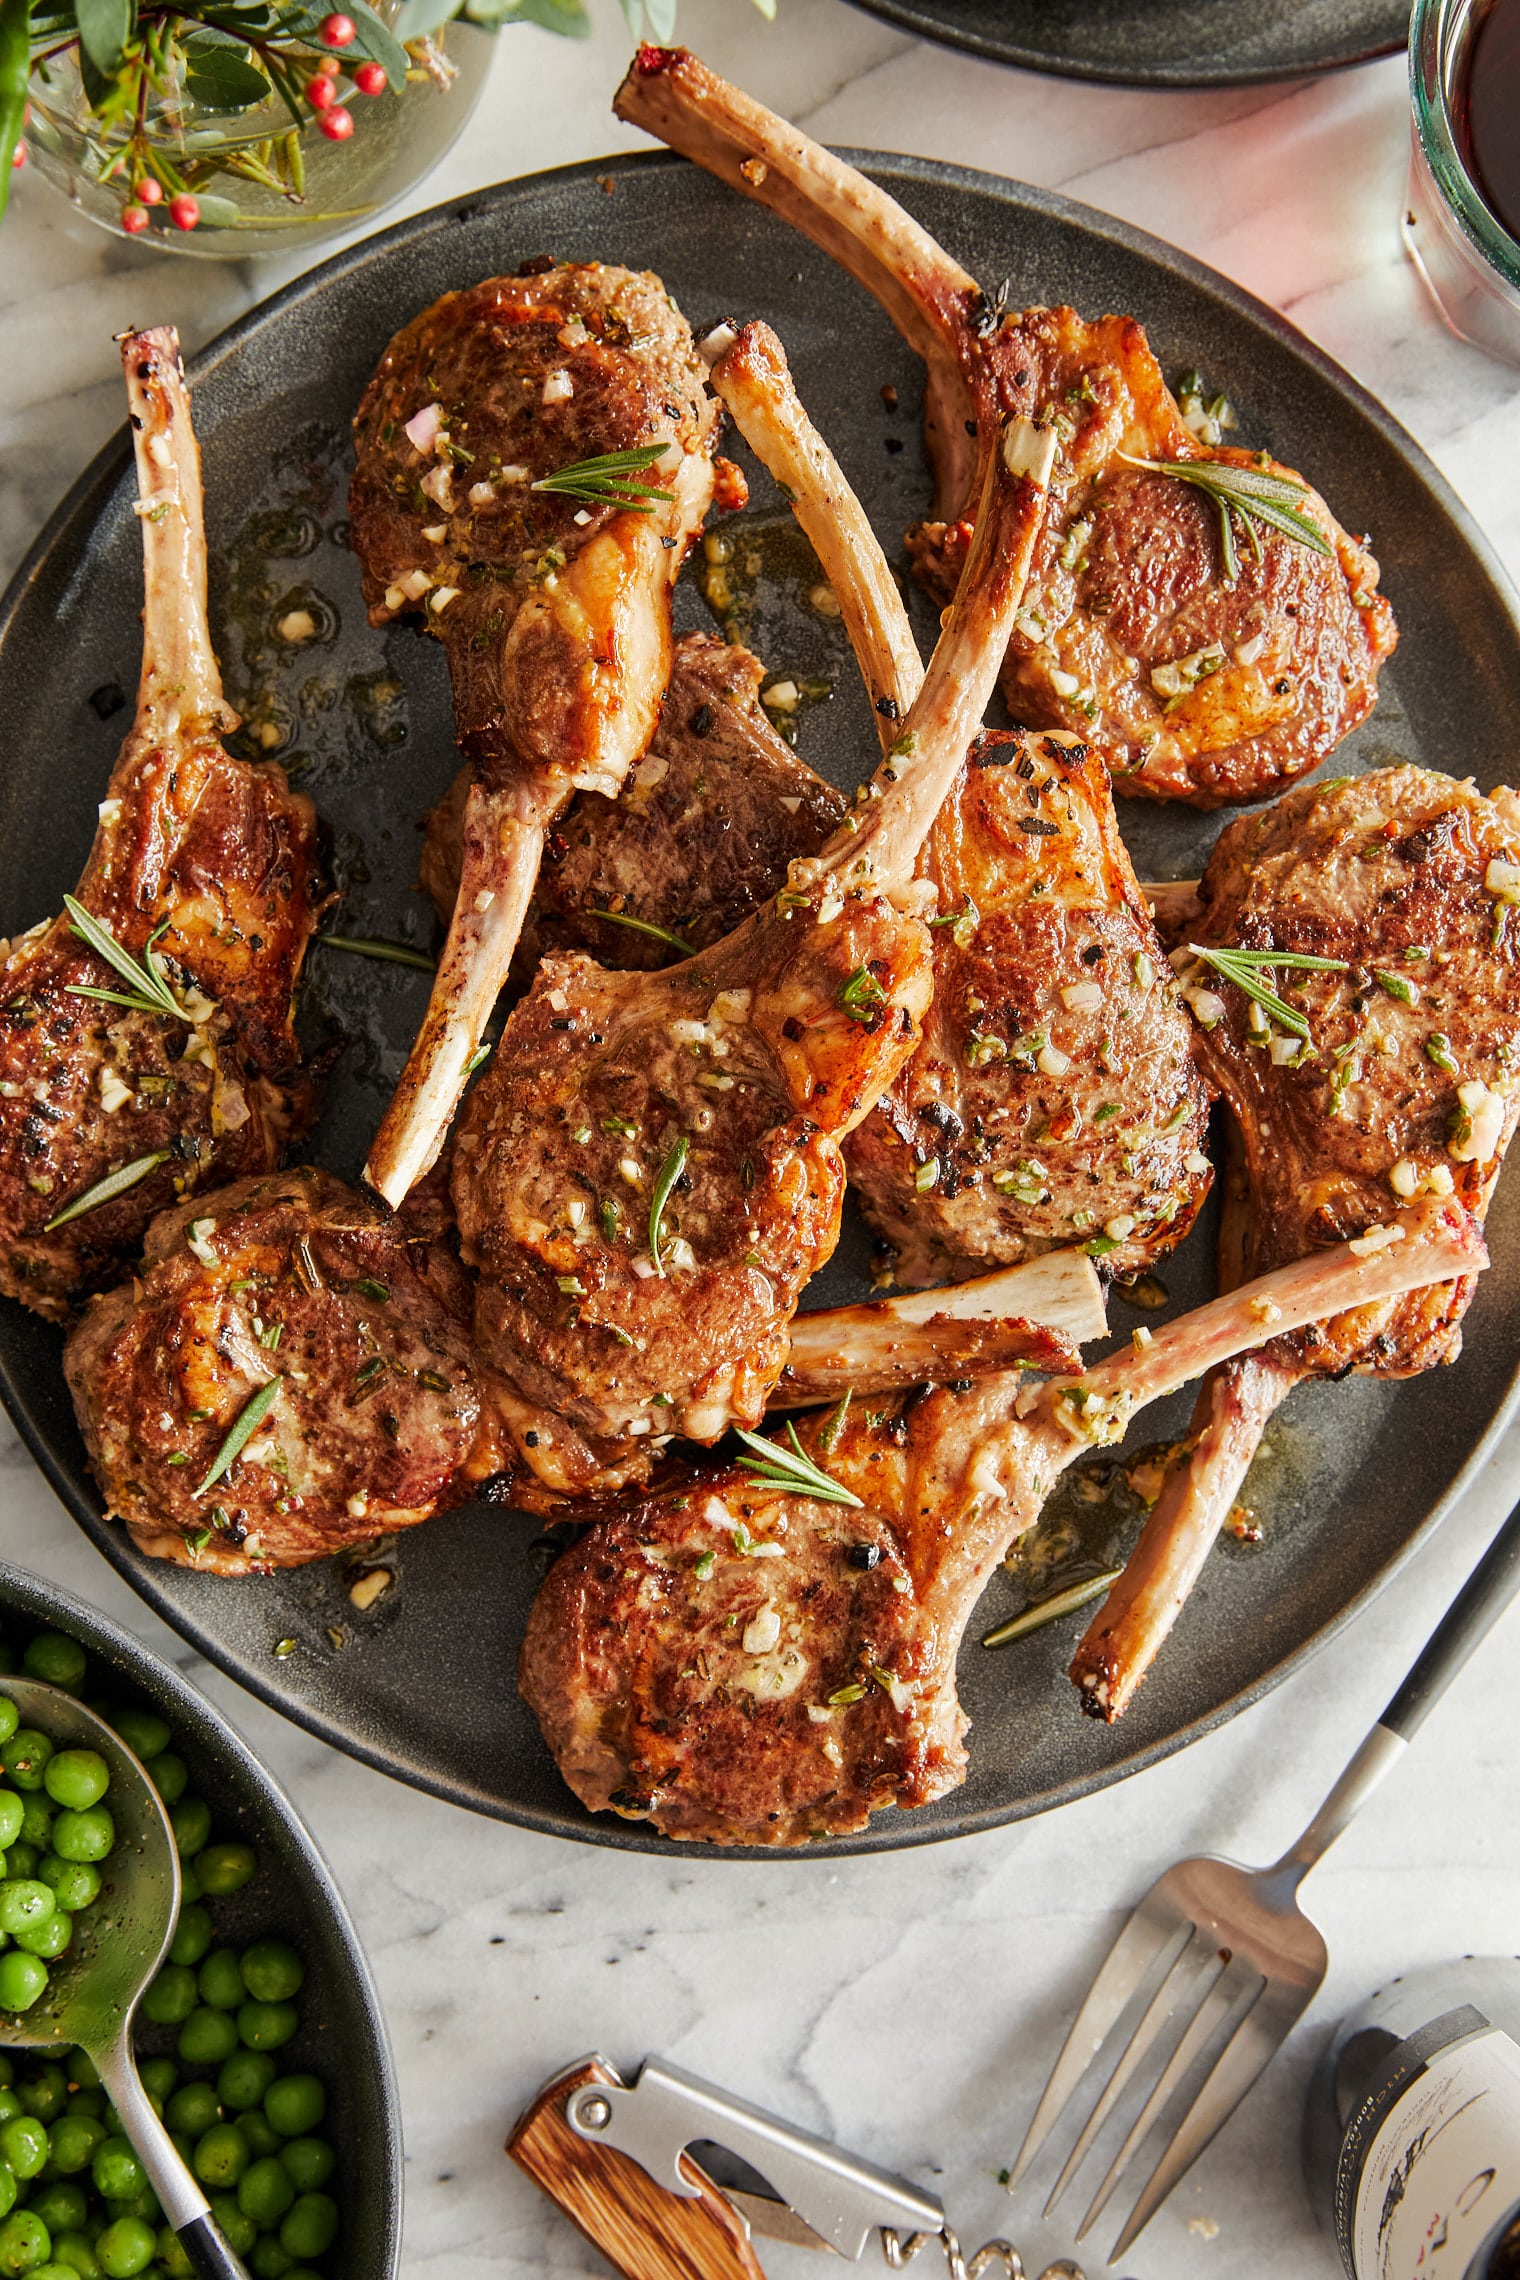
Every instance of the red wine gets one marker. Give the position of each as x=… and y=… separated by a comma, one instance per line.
x=1487, y=112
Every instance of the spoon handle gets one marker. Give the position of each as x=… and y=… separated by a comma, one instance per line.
x=185, y=2206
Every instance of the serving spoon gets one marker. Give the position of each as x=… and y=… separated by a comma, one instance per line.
x=120, y=1941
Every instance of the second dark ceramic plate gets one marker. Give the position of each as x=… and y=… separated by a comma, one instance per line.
x=1161, y=43
x=423, y=1684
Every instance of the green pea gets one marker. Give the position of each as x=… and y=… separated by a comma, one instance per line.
x=37, y=1822
x=56, y=1660
x=244, y=2080
x=220, y=1981
x=74, y=1884
x=9, y=2189
x=24, y=1757
x=261, y=2139
x=125, y=2248
x=295, y=2105
x=54, y=2271
x=267, y=2026
x=158, y=2076
x=21, y=1860
x=24, y=2243
x=193, y=2109
x=9, y=2104
x=22, y=1979
x=192, y=1936
x=24, y=2145
x=267, y=2260
x=207, y=2038
x=265, y=2192
x=10, y=1717
x=173, y=2256
x=61, y=2206
x=24, y=1902
x=84, y=1836
x=310, y=2161
x=170, y=1776
x=169, y=1999
x=240, y=2232
x=190, y=1888
x=82, y=2068
x=117, y=2172
x=76, y=2254
x=310, y=2225
x=272, y=1972
x=144, y=1732
x=74, y=2140
x=45, y=2093
x=225, y=1867
x=190, y=1819
x=76, y=1778
x=91, y=2102
x=12, y=1812
x=221, y=2156
x=49, y=1939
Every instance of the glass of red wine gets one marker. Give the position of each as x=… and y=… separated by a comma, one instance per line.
x=1462, y=221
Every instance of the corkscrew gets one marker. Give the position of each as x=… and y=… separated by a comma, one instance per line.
x=618, y=2158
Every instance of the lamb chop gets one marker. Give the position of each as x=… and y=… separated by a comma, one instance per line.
x=289, y=1374
x=1216, y=624
x=1384, y=1073
x=649, y=1171
x=766, y=1657
x=1053, y=1095
x=700, y=835
x=534, y=456
x=146, y=1046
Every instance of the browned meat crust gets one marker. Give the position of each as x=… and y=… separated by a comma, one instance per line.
x=292, y=1276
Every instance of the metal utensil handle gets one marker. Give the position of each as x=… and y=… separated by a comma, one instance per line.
x=184, y=2204
x=900, y=2249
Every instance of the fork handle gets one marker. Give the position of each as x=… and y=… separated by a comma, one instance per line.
x=1466, y=1623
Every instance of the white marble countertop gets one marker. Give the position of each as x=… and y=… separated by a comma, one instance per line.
x=908, y=2004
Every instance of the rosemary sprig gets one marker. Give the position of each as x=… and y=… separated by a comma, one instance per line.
x=1247, y=497
x=608, y=480
x=114, y=1184
x=776, y=1466
x=833, y=1425
x=1051, y=1610
x=148, y=990
x=1245, y=967
x=241, y=1432
x=646, y=926
x=862, y=997
x=367, y=946
x=670, y=1171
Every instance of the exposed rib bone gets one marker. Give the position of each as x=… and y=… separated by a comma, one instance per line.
x=755, y=382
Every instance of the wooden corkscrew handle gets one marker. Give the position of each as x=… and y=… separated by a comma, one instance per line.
x=647, y=2233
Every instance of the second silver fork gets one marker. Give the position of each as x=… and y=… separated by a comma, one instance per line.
x=1224, y=1956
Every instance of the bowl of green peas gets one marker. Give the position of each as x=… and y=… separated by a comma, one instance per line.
x=260, y=2041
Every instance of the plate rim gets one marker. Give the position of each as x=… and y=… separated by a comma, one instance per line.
x=100, y=477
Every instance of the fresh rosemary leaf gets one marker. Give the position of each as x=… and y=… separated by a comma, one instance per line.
x=243, y=1428
x=1051, y=1610
x=1245, y=967
x=777, y=1466
x=646, y=926
x=145, y=978
x=833, y=1425
x=670, y=1171
x=609, y=480
x=365, y=946
x=114, y=1184
x=862, y=997
x=1249, y=497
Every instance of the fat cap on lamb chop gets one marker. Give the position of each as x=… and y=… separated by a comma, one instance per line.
x=146, y=1045
x=533, y=457
x=1225, y=648
x=648, y=1172
x=1053, y=1095
x=767, y=1657
x=1359, y=1000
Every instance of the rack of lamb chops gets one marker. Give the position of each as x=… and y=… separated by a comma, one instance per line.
x=767, y=1655
x=533, y=457
x=1358, y=994
x=146, y=1045
x=649, y=1171
x=1053, y=1096
x=1196, y=608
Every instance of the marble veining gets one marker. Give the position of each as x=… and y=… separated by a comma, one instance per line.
x=909, y=2003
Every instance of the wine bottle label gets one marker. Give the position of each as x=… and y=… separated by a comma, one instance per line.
x=1432, y=2158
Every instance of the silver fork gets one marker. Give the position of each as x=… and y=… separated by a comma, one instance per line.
x=1225, y=1958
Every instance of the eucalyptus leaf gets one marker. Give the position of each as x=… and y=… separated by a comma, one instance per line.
x=217, y=213
x=662, y=19
x=380, y=43
x=420, y=16
x=14, y=45
x=223, y=81
x=567, y=17
x=105, y=26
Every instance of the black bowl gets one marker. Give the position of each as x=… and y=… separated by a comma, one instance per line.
x=342, y=2035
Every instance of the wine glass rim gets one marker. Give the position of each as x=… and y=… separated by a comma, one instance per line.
x=1438, y=30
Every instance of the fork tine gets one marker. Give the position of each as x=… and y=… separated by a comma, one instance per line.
x=1223, y=1992
x=1186, y=1965
x=1257, y=2038
x=1146, y=1936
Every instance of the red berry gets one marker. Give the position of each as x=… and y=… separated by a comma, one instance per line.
x=337, y=31
x=370, y=79
x=133, y=219
x=147, y=192
x=18, y=156
x=331, y=65
x=320, y=93
x=337, y=125
x=184, y=212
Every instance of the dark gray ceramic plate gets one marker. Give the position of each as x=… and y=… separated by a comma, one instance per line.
x=342, y=2032
x=423, y=1686
x=1161, y=43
